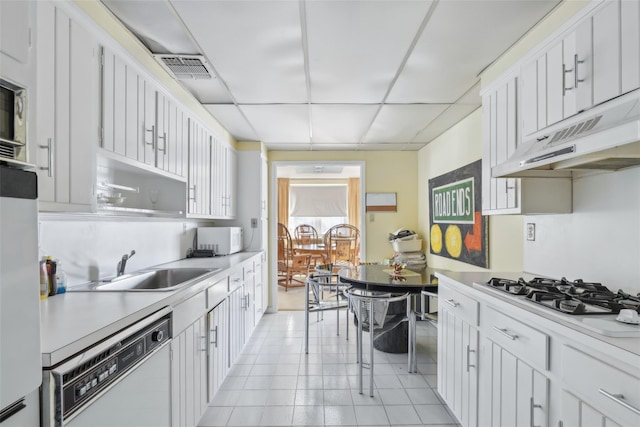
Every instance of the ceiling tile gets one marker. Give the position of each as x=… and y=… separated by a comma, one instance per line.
x=155, y=24
x=279, y=123
x=255, y=46
x=324, y=146
x=232, y=120
x=400, y=123
x=459, y=41
x=356, y=47
x=208, y=91
x=340, y=122
x=448, y=118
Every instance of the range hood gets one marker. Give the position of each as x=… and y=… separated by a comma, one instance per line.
x=605, y=137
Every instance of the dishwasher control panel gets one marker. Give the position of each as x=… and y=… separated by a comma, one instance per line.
x=83, y=382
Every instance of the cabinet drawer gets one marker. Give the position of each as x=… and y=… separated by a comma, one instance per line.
x=187, y=312
x=217, y=292
x=521, y=340
x=236, y=279
x=459, y=304
x=601, y=385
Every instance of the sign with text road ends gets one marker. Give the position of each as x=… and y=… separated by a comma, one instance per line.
x=457, y=229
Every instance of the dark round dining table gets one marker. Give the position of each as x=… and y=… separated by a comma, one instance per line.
x=378, y=278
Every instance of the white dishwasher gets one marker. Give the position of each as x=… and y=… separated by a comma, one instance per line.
x=122, y=381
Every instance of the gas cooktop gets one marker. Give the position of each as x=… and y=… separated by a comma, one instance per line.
x=588, y=305
x=569, y=297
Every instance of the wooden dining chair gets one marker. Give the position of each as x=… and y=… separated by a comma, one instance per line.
x=343, y=245
x=292, y=267
x=306, y=234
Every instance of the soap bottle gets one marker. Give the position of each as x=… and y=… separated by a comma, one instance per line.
x=61, y=279
x=44, y=279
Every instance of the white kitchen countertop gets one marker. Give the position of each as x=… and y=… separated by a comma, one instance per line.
x=579, y=323
x=71, y=322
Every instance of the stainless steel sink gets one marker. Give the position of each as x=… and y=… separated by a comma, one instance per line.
x=148, y=280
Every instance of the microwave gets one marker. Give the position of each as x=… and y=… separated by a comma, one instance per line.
x=13, y=122
x=221, y=240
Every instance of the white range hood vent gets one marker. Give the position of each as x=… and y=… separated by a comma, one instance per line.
x=605, y=137
x=185, y=67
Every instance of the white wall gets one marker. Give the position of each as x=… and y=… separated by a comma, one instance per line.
x=600, y=240
x=91, y=248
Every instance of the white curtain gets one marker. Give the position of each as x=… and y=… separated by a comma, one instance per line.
x=318, y=200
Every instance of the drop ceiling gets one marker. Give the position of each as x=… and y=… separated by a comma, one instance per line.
x=332, y=74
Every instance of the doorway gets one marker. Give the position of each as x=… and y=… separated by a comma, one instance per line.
x=304, y=179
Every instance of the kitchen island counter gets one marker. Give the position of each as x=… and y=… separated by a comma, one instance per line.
x=73, y=321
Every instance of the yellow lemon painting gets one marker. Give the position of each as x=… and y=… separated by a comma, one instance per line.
x=436, y=238
x=453, y=240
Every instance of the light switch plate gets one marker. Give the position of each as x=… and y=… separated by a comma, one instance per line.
x=531, y=231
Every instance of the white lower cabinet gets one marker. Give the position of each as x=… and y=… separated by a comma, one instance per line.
x=236, y=316
x=458, y=358
x=577, y=413
x=189, y=374
x=218, y=321
x=601, y=392
x=501, y=365
x=519, y=394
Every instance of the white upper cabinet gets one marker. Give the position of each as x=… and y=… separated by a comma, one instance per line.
x=15, y=40
x=501, y=136
x=593, y=61
x=66, y=137
x=139, y=122
x=630, y=45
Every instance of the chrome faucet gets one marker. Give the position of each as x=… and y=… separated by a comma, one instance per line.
x=123, y=263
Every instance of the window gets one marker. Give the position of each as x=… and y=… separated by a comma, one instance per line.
x=319, y=205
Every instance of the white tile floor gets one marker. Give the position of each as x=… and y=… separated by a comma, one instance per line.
x=274, y=383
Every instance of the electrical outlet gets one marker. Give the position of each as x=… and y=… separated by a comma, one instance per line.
x=531, y=231
x=254, y=222
x=184, y=228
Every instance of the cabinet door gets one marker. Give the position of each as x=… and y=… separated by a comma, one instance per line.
x=519, y=394
x=67, y=73
x=149, y=123
x=577, y=413
x=162, y=119
x=178, y=398
x=249, y=303
x=606, y=52
x=200, y=368
x=556, y=84
x=259, y=293
x=236, y=324
x=15, y=30
x=630, y=45
x=132, y=92
x=231, y=180
x=458, y=366
x=529, y=82
x=218, y=346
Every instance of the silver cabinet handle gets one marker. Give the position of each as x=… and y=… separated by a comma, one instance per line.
x=164, y=146
x=153, y=135
x=532, y=407
x=505, y=333
x=194, y=193
x=576, y=62
x=452, y=303
x=49, y=148
x=564, y=79
x=469, y=351
x=214, y=331
x=619, y=399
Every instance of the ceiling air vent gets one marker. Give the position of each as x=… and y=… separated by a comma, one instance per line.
x=574, y=130
x=185, y=67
